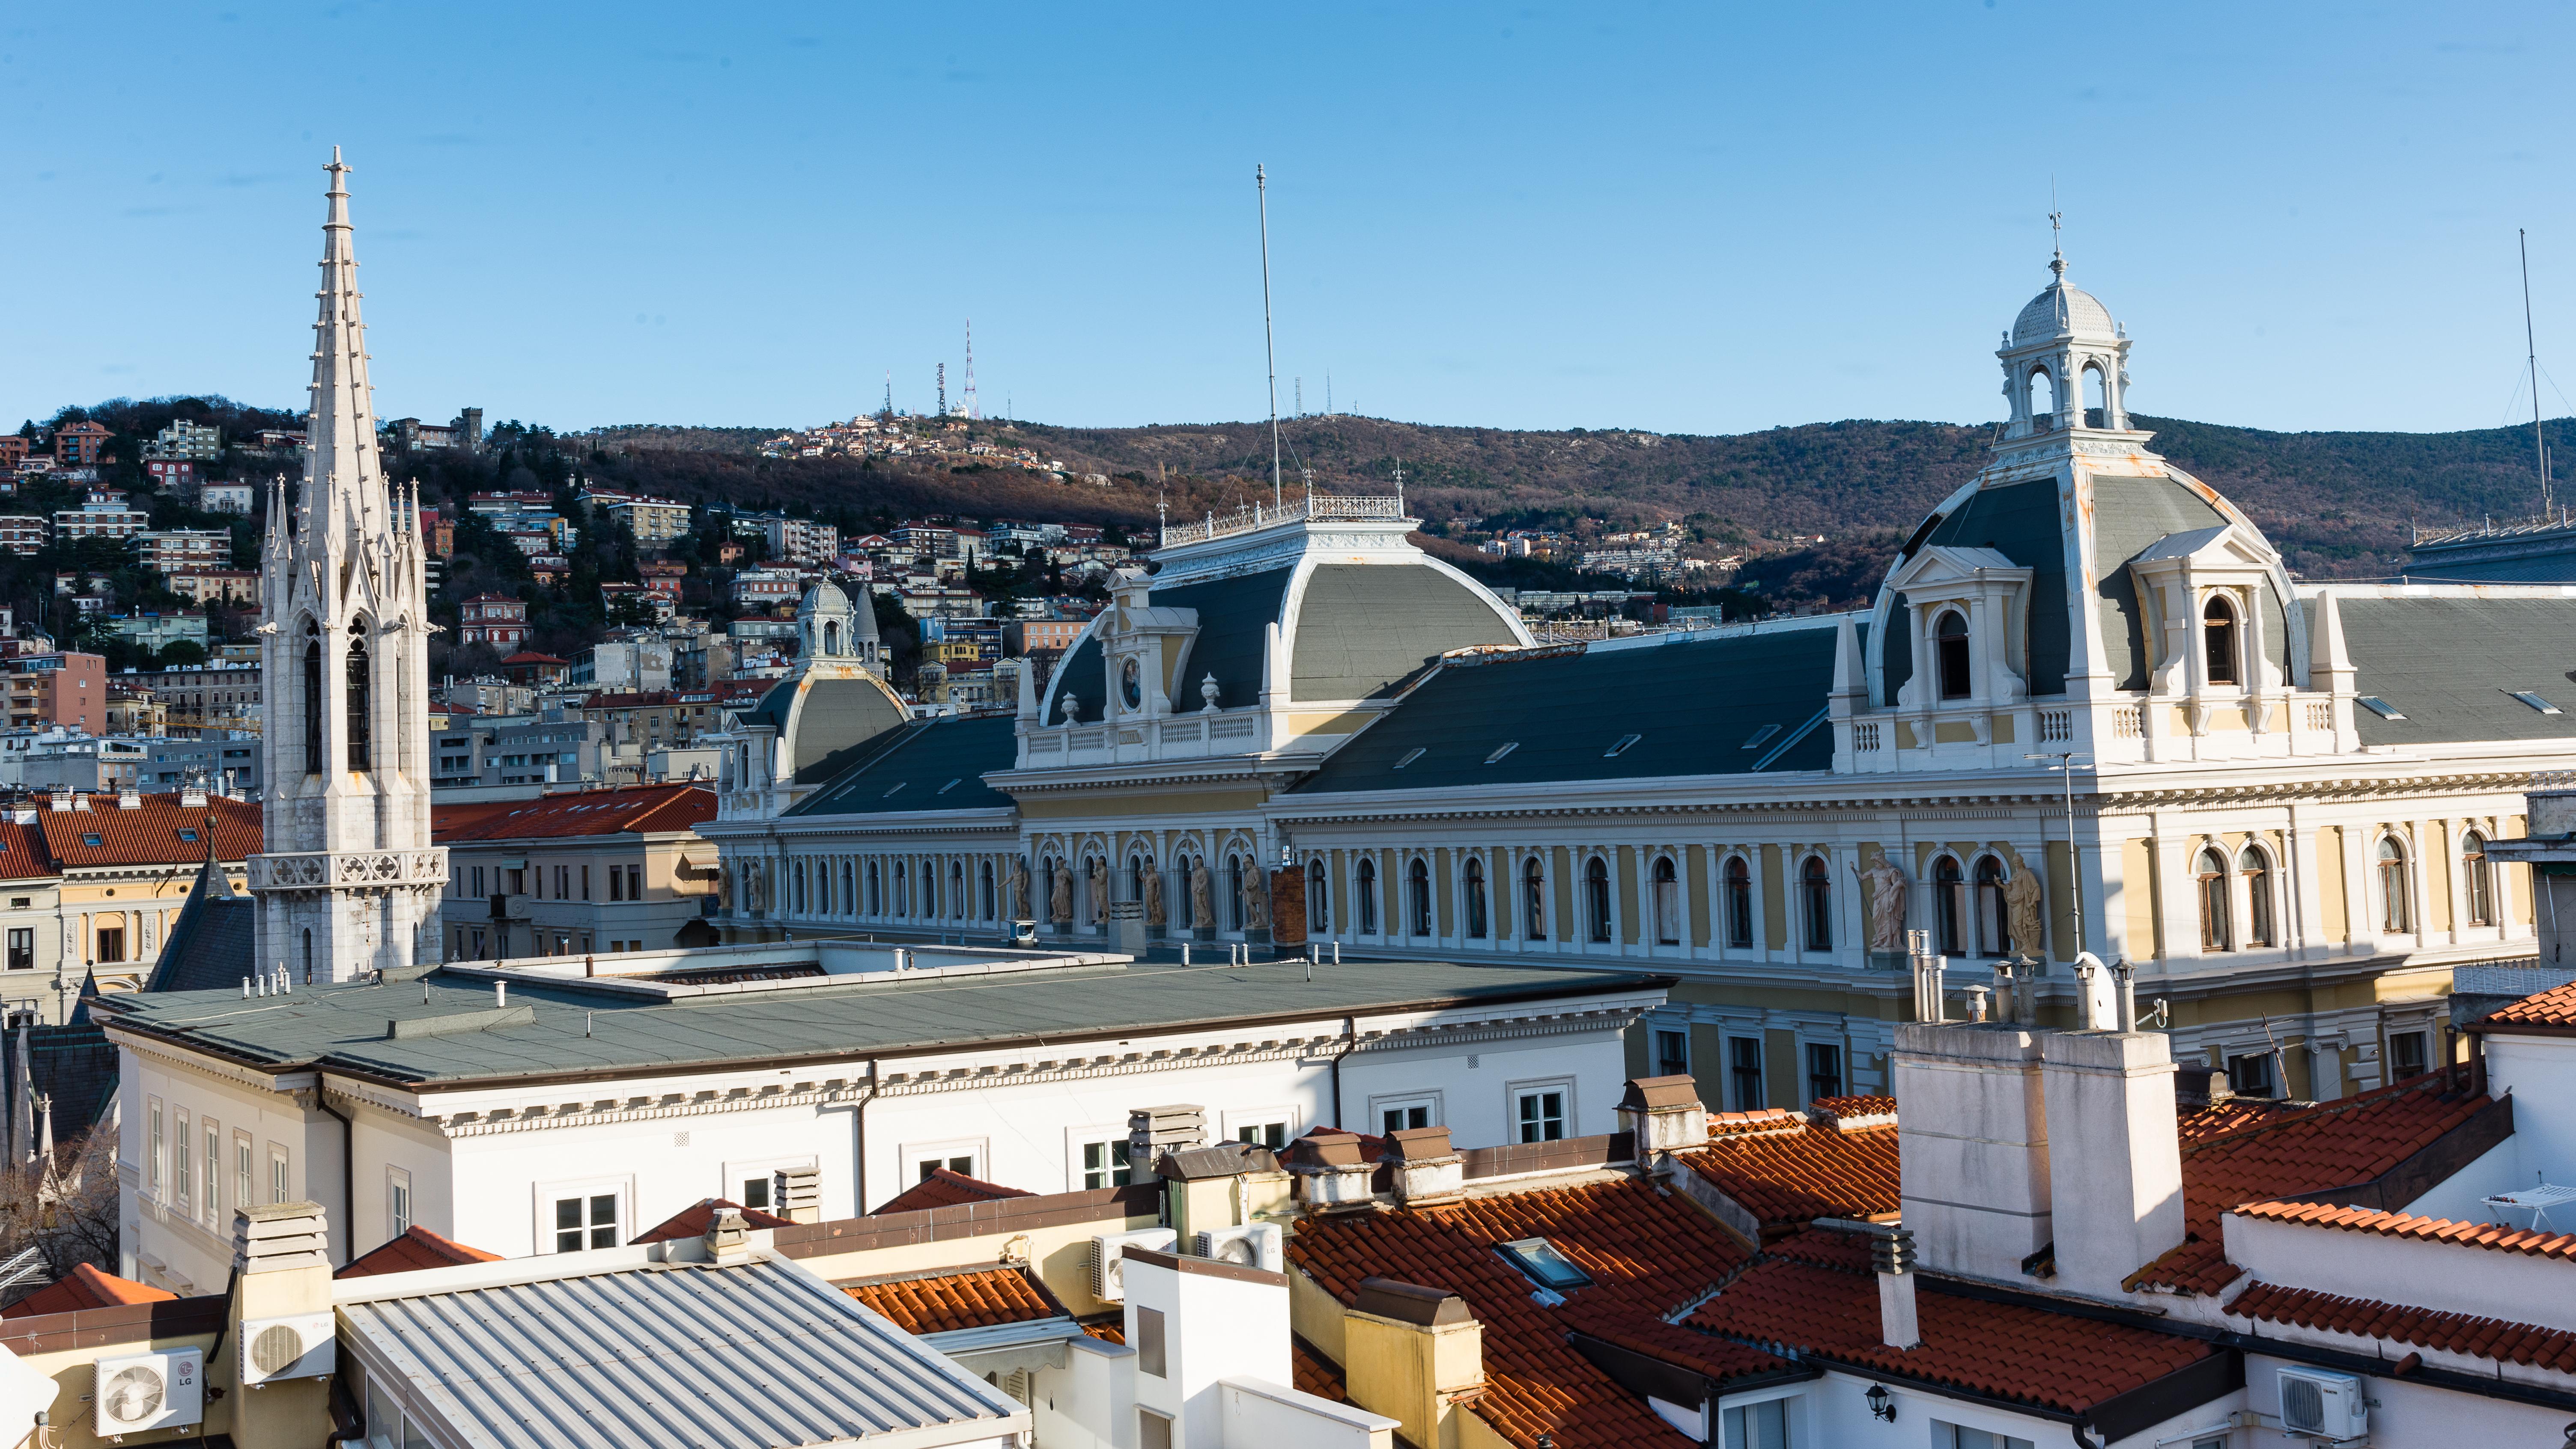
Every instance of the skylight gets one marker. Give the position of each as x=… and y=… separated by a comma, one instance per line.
x=1761, y=737
x=1621, y=746
x=1410, y=756
x=187, y=835
x=1545, y=1266
x=898, y=785
x=2535, y=701
x=89, y=840
x=2380, y=707
x=951, y=785
x=1505, y=750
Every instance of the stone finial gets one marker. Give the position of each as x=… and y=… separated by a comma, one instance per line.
x=1208, y=691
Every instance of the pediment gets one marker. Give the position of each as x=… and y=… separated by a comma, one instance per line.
x=2222, y=546
x=1937, y=564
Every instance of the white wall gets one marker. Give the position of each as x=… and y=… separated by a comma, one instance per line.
x=2412, y=1415
x=192, y=1251
x=2448, y=1277
x=1476, y=1084
x=1216, y=1325
x=2540, y=1073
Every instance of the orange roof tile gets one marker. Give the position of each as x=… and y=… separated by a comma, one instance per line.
x=2554, y=1008
x=975, y=1298
x=943, y=1188
x=1647, y=1254
x=2333, y=1144
x=22, y=853
x=2488, y=1338
x=1111, y=1330
x=417, y=1248
x=2012, y=1351
x=694, y=1220
x=149, y=834
x=1843, y=1109
x=83, y=1287
x=2228, y=1114
x=1808, y=1172
x=635, y=809
x=1314, y=1373
x=2492, y=1236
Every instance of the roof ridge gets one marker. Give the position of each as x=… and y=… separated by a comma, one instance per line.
x=2322, y=1110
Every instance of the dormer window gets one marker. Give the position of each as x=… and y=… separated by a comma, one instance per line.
x=1950, y=652
x=2218, y=636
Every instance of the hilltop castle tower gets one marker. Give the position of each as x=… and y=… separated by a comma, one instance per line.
x=349, y=882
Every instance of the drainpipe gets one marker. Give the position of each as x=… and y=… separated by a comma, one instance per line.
x=348, y=1172
x=860, y=1118
x=1350, y=1043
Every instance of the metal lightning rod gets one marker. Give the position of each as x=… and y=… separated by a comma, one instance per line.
x=1261, y=188
x=2539, y=448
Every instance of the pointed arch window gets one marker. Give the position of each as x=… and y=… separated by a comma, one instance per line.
x=2211, y=873
x=360, y=729
x=1534, y=899
x=2479, y=877
x=1949, y=907
x=1596, y=898
x=2395, y=916
x=1475, y=891
x=1950, y=654
x=2256, y=868
x=1739, y=903
x=312, y=700
x=2218, y=636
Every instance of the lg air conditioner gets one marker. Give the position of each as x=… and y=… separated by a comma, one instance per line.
x=1108, y=1275
x=305, y=1346
x=1253, y=1245
x=2325, y=1405
x=136, y=1393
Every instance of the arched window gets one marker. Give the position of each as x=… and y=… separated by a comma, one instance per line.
x=312, y=700
x=2097, y=401
x=1135, y=877
x=1188, y=869
x=2042, y=393
x=1234, y=892
x=849, y=896
x=1475, y=885
x=360, y=731
x=1668, y=904
x=1816, y=886
x=831, y=638
x=1319, y=900
x=796, y=878
x=1949, y=908
x=876, y=890
x=991, y=907
x=1534, y=899
x=957, y=889
x=1091, y=869
x=2256, y=867
x=1417, y=884
x=2211, y=872
x=1366, y=889
x=1596, y=898
x=2395, y=916
x=902, y=888
x=1990, y=916
x=1739, y=903
x=2480, y=878
x=308, y=953
x=1950, y=651
x=2218, y=635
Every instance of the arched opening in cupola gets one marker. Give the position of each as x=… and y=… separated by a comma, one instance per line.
x=2097, y=397
x=2042, y=393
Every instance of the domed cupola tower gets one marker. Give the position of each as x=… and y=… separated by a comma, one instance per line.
x=2065, y=363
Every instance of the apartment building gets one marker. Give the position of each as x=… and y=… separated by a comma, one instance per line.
x=572, y=874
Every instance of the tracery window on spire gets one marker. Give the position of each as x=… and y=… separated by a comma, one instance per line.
x=312, y=700
x=360, y=732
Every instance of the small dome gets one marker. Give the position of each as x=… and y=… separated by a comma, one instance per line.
x=2059, y=311
x=822, y=598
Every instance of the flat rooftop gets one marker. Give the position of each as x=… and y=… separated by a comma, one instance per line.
x=679, y=1011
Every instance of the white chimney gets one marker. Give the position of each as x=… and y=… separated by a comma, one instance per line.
x=1891, y=1252
x=1973, y=1146
x=2117, y=1158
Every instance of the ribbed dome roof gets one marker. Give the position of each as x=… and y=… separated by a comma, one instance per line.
x=2059, y=310
x=824, y=595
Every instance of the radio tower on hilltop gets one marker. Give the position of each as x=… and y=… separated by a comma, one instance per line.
x=972, y=412
x=943, y=390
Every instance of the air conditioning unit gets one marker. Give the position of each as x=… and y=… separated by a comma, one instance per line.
x=2327, y=1405
x=1253, y=1245
x=1108, y=1277
x=136, y=1393
x=306, y=1346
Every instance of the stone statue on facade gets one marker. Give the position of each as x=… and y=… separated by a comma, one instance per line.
x=1060, y=897
x=1202, y=896
x=1256, y=900
x=1154, y=914
x=1099, y=897
x=2021, y=901
x=1886, y=905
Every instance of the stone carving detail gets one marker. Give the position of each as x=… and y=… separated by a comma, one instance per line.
x=2021, y=900
x=1060, y=898
x=1154, y=914
x=1886, y=905
x=1256, y=900
x=1099, y=896
x=320, y=869
x=1202, y=896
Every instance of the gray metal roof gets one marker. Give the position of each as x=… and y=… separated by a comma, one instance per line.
x=574, y=1031
x=1361, y=628
x=1694, y=704
x=1232, y=615
x=936, y=764
x=757, y=1355
x=2448, y=664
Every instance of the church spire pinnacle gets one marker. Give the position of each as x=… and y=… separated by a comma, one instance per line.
x=342, y=470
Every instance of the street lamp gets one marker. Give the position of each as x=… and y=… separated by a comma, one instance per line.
x=2065, y=762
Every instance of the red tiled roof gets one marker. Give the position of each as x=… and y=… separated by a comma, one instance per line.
x=943, y=1188
x=22, y=852
x=1807, y=1172
x=2492, y=1236
x=1764, y=1119
x=1647, y=1254
x=147, y=834
x=2334, y=1144
x=2489, y=1338
x=2556, y=1008
x=530, y=656
x=2198, y=1124
x=83, y=1287
x=2012, y=1351
x=1845, y=1108
x=1315, y=1374
x=975, y=1298
x=417, y=1248
x=635, y=809
x=694, y=1220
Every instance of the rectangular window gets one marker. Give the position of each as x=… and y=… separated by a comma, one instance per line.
x=755, y=1192
x=2406, y=1055
x=1756, y=1426
x=478, y=880
x=111, y=943
x=1149, y=1341
x=212, y=1164
x=1672, y=1053
x=586, y=1220
x=397, y=1201
x=616, y=884
x=2251, y=1075
x=1104, y=1164
x=1542, y=1115
x=1397, y=1114
x=152, y=1166
x=276, y=1173
x=1824, y=1070
x=518, y=883
x=1273, y=1135
x=22, y=948
x=585, y=882
x=242, y=1172
x=1153, y=1431
x=1744, y=1064
x=961, y=1163
x=1955, y=1436
x=182, y=1184
x=635, y=882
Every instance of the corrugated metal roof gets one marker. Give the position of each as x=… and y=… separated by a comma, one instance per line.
x=758, y=1355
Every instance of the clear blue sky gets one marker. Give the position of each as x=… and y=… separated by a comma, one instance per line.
x=1694, y=218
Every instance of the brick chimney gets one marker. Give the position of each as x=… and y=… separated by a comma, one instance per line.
x=1665, y=1113
x=1330, y=1175
x=1428, y=1171
x=1416, y=1355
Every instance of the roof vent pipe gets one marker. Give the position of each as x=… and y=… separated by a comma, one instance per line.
x=2125, y=975
x=500, y=993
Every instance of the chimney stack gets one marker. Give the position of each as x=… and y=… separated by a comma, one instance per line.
x=1416, y=1355
x=1428, y=1171
x=2117, y=1154
x=1891, y=1252
x=1331, y=1177
x=1973, y=1145
x=1666, y=1115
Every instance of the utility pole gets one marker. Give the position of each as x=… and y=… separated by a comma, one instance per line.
x=1269, y=350
x=2065, y=765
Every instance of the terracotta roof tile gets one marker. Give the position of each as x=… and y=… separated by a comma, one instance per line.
x=2488, y=1338
x=1647, y=1253
x=149, y=834
x=22, y=852
x=694, y=1220
x=2491, y=1236
x=1852, y=1112
x=975, y=1298
x=635, y=809
x=943, y=1188
x=84, y=1287
x=417, y=1248
x=1767, y=1119
x=1109, y=1330
x=1808, y=1172
x=2228, y=1115
x=1316, y=1374
x=2555, y=1007
x=2012, y=1351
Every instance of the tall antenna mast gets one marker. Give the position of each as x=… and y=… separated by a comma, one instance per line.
x=943, y=389
x=889, y=407
x=1269, y=350
x=2539, y=448
x=972, y=411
